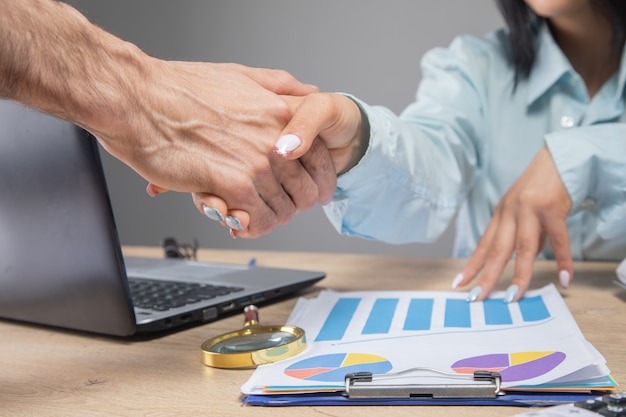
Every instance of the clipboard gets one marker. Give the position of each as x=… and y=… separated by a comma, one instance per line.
x=364, y=388
x=541, y=355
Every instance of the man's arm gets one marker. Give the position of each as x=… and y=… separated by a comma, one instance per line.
x=184, y=126
x=53, y=59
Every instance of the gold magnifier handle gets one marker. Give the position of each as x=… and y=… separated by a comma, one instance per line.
x=251, y=314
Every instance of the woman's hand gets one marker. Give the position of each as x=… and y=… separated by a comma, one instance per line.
x=535, y=208
x=335, y=119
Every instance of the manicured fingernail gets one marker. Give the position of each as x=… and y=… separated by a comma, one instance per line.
x=213, y=213
x=232, y=233
x=152, y=192
x=474, y=294
x=457, y=280
x=286, y=144
x=511, y=293
x=233, y=223
x=564, y=278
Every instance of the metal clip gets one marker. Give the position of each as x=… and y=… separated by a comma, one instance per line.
x=482, y=384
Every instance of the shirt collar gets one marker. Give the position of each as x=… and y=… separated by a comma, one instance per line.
x=549, y=67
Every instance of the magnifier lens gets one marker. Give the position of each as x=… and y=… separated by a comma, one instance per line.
x=253, y=345
x=253, y=342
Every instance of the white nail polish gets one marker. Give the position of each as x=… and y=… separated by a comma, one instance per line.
x=233, y=223
x=213, y=213
x=287, y=144
x=510, y=293
x=564, y=278
x=474, y=294
x=457, y=280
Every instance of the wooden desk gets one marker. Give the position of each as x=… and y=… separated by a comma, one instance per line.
x=45, y=372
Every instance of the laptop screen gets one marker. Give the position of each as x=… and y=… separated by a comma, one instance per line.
x=60, y=259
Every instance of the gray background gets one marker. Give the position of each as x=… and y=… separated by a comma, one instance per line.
x=368, y=48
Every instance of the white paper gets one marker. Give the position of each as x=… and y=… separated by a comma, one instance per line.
x=533, y=342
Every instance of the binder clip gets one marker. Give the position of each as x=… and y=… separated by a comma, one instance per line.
x=173, y=249
x=482, y=384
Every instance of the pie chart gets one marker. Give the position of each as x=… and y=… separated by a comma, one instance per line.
x=334, y=367
x=516, y=366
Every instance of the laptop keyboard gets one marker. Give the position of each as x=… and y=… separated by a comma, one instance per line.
x=164, y=295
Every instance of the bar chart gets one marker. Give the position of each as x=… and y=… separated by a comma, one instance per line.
x=394, y=315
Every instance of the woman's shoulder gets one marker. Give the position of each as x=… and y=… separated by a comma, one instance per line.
x=492, y=49
x=495, y=46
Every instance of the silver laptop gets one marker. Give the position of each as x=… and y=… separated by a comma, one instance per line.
x=60, y=258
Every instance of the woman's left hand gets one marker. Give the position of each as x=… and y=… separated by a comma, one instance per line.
x=535, y=208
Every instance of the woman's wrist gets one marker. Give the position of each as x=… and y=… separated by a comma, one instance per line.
x=353, y=153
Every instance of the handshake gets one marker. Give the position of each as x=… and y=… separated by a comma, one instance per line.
x=272, y=150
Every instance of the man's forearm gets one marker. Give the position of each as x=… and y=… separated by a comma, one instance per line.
x=53, y=59
x=184, y=126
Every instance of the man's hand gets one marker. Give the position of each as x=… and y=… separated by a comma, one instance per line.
x=210, y=128
x=318, y=166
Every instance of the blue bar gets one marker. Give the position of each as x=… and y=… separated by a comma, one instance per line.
x=338, y=319
x=533, y=309
x=457, y=313
x=419, y=315
x=379, y=320
x=497, y=311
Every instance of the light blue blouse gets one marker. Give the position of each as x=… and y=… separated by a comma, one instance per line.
x=455, y=151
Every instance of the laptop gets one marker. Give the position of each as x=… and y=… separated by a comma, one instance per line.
x=61, y=262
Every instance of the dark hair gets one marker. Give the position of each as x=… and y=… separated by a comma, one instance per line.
x=524, y=25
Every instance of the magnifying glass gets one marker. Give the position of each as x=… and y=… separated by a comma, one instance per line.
x=253, y=345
